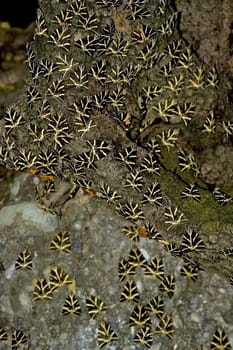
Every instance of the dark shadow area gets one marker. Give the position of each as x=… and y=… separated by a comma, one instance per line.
x=18, y=13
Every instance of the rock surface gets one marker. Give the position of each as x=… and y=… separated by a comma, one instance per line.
x=97, y=245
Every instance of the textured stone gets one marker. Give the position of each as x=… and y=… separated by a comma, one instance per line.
x=29, y=214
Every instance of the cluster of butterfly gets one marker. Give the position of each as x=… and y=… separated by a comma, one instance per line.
x=18, y=338
x=148, y=169
x=58, y=277
x=141, y=314
x=106, y=334
x=95, y=42
x=127, y=268
x=191, y=242
x=107, y=48
x=110, y=77
x=149, y=166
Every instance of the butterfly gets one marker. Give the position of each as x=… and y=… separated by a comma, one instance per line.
x=106, y=334
x=168, y=285
x=190, y=270
x=61, y=242
x=42, y=290
x=24, y=260
x=130, y=292
x=144, y=337
x=18, y=337
x=94, y=305
x=192, y=241
x=140, y=317
x=125, y=269
x=155, y=268
x=136, y=258
x=220, y=340
x=71, y=306
x=3, y=334
x=156, y=306
x=165, y=326
x=58, y=277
